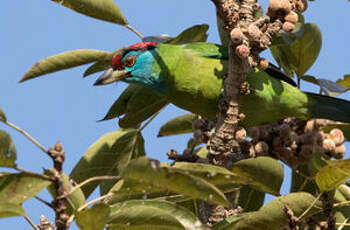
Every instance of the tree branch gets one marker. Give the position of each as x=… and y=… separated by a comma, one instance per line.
x=26, y=135
x=59, y=204
x=30, y=222
x=249, y=36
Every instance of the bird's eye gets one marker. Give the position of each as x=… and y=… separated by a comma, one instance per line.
x=130, y=61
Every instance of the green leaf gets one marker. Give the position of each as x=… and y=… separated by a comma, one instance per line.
x=271, y=216
x=136, y=111
x=202, y=152
x=266, y=174
x=155, y=215
x=178, y=125
x=97, y=67
x=344, y=190
x=344, y=82
x=119, y=106
x=111, y=152
x=8, y=153
x=345, y=127
x=333, y=174
x=342, y=213
x=300, y=55
x=197, y=33
x=2, y=116
x=263, y=173
x=249, y=199
x=139, y=111
x=222, y=178
x=9, y=210
x=281, y=59
x=102, y=64
x=105, y=10
x=131, y=189
x=149, y=173
x=283, y=37
x=64, y=60
x=310, y=79
x=16, y=188
x=75, y=199
x=94, y=218
x=302, y=184
x=218, y=176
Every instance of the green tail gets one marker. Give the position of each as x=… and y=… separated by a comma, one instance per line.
x=329, y=108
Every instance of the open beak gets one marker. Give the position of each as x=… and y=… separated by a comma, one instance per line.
x=111, y=76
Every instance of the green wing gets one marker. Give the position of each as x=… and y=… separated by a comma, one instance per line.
x=220, y=52
x=209, y=50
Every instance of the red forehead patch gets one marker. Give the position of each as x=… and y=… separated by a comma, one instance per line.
x=142, y=45
x=117, y=59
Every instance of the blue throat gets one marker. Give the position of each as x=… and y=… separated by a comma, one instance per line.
x=143, y=73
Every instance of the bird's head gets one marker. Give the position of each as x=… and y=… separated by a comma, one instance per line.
x=132, y=65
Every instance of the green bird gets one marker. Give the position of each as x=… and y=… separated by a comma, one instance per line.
x=190, y=76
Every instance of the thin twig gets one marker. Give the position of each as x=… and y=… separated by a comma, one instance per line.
x=26, y=135
x=342, y=204
x=342, y=225
x=44, y=201
x=31, y=222
x=135, y=31
x=302, y=186
x=33, y=173
x=309, y=208
x=71, y=218
x=108, y=195
x=88, y=181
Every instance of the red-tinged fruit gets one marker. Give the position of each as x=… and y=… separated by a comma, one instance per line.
x=263, y=64
x=261, y=148
x=288, y=26
x=302, y=5
x=242, y=51
x=292, y=17
x=337, y=136
x=236, y=36
x=278, y=5
x=241, y=135
x=339, y=152
x=274, y=5
x=286, y=6
x=254, y=32
x=329, y=146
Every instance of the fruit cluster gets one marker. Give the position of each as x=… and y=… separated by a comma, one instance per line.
x=283, y=9
x=294, y=141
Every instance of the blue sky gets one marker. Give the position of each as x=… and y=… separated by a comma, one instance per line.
x=63, y=106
